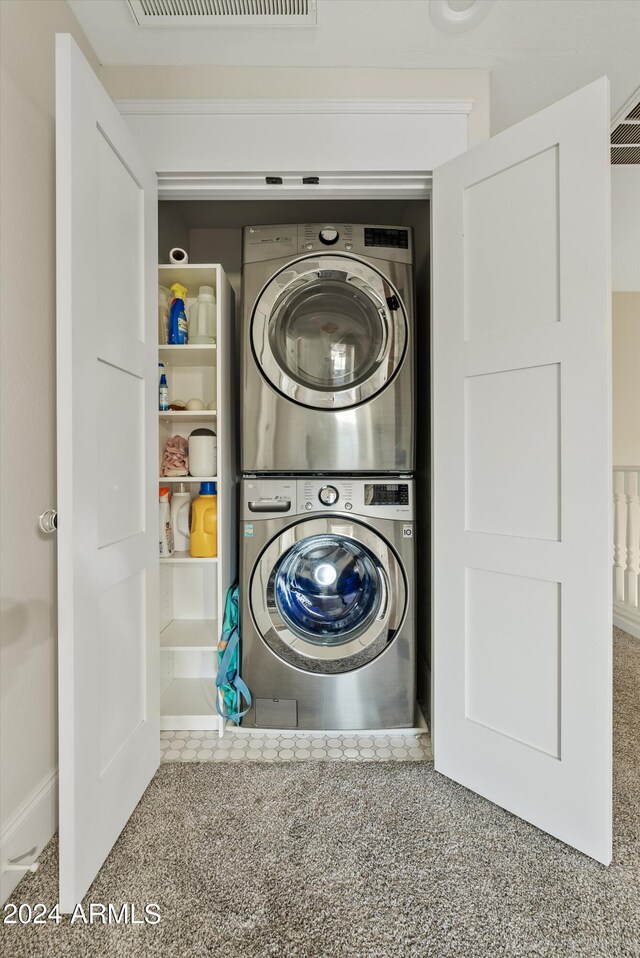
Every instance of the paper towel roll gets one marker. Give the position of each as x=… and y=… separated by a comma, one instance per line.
x=178, y=256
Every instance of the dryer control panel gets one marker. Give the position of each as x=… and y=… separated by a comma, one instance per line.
x=390, y=243
x=376, y=497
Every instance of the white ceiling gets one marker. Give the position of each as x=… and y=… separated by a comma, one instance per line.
x=537, y=50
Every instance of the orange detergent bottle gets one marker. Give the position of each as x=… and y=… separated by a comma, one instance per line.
x=204, y=523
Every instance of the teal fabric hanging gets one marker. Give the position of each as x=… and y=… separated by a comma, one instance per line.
x=231, y=687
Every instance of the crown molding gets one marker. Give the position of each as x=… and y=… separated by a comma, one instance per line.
x=195, y=107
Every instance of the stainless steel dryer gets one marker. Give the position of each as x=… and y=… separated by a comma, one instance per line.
x=327, y=349
x=327, y=616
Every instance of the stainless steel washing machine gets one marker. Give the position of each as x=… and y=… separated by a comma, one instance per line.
x=327, y=609
x=327, y=349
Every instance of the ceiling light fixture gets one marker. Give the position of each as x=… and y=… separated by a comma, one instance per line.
x=454, y=16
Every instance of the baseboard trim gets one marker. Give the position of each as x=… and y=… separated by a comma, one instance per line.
x=30, y=828
x=627, y=618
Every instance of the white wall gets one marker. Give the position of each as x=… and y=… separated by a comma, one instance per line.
x=626, y=379
x=202, y=82
x=625, y=228
x=625, y=262
x=28, y=741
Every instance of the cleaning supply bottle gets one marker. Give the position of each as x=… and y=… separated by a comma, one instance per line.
x=202, y=318
x=166, y=535
x=178, y=330
x=163, y=390
x=204, y=523
x=180, y=505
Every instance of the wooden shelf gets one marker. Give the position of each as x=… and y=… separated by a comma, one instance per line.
x=188, y=355
x=192, y=479
x=185, y=557
x=190, y=635
x=196, y=415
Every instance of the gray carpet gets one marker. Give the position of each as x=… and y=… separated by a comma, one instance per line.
x=326, y=859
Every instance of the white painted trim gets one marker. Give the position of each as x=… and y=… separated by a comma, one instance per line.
x=627, y=618
x=626, y=108
x=196, y=186
x=30, y=827
x=191, y=107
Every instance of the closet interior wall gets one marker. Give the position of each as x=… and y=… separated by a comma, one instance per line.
x=211, y=232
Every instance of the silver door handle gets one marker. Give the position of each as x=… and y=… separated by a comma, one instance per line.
x=48, y=521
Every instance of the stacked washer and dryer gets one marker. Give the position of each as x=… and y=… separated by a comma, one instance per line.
x=327, y=497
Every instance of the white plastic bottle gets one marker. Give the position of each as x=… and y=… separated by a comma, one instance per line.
x=202, y=317
x=164, y=302
x=166, y=533
x=180, y=505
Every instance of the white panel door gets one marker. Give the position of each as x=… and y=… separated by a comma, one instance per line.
x=109, y=728
x=522, y=470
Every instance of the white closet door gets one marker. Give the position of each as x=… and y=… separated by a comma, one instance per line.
x=107, y=472
x=522, y=470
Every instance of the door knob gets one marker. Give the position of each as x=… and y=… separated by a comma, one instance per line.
x=48, y=521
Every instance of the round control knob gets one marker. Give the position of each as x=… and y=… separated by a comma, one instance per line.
x=308, y=245
x=308, y=505
x=328, y=495
x=348, y=506
x=328, y=236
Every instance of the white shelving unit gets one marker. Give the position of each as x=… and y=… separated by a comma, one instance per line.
x=193, y=590
x=189, y=703
x=186, y=557
x=200, y=355
x=166, y=480
x=196, y=415
x=189, y=635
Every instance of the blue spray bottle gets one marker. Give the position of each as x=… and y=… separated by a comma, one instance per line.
x=178, y=333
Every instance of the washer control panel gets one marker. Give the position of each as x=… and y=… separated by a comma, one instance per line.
x=280, y=497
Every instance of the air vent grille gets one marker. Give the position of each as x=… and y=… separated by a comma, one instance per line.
x=625, y=135
x=625, y=155
x=198, y=13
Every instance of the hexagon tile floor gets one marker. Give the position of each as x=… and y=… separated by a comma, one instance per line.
x=295, y=747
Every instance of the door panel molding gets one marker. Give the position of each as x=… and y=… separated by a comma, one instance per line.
x=522, y=473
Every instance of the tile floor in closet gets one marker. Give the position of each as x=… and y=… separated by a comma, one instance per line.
x=238, y=746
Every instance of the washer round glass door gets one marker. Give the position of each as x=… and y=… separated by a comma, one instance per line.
x=328, y=595
x=329, y=331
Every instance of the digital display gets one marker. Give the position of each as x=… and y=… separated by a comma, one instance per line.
x=379, y=236
x=386, y=494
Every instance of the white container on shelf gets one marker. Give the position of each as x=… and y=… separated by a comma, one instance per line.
x=180, y=506
x=167, y=547
x=202, y=318
x=164, y=303
x=202, y=452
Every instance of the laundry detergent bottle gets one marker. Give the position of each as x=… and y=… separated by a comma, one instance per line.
x=178, y=330
x=180, y=505
x=204, y=523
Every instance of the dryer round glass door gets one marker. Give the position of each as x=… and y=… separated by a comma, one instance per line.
x=329, y=331
x=328, y=595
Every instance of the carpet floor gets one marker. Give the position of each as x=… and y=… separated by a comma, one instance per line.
x=362, y=860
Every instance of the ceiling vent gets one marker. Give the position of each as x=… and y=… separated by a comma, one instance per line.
x=224, y=13
x=625, y=134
